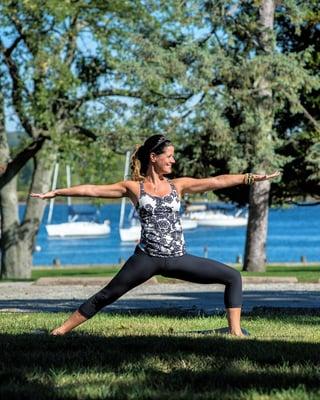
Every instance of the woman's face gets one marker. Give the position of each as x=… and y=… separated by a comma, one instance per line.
x=163, y=162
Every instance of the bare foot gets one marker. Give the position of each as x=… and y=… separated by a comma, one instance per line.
x=239, y=334
x=58, y=332
x=235, y=332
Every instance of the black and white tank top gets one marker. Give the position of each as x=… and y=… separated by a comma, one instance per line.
x=161, y=230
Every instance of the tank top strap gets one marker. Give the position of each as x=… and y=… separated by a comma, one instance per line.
x=141, y=185
x=174, y=190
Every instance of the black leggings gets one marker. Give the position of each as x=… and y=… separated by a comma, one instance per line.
x=140, y=267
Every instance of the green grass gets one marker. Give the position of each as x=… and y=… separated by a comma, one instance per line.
x=302, y=273
x=75, y=272
x=153, y=357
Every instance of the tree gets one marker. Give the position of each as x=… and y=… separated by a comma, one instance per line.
x=50, y=81
x=216, y=78
x=205, y=72
x=25, y=51
x=255, y=255
x=218, y=81
x=300, y=130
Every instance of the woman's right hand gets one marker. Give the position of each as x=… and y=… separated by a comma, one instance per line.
x=44, y=196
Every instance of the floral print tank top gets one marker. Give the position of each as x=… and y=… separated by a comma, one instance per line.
x=161, y=230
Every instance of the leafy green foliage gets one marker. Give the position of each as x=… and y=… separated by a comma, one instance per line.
x=218, y=90
x=197, y=71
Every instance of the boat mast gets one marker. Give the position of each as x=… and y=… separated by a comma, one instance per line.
x=123, y=200
x=68, y=171
x=54, y=186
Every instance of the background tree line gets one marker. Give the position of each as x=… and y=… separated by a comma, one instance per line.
x=233, y=84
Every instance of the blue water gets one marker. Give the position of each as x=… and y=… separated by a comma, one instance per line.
x=292, y=233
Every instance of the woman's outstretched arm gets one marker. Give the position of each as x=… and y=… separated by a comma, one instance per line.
x=193, y=185
x=115, y=190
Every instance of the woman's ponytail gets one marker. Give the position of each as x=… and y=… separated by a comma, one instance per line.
x=136, y=164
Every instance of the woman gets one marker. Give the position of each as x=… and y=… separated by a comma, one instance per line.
x=161, y=250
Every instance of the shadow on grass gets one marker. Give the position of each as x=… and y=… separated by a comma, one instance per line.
x=283, y=313
x=204, y=301
x=181, y=367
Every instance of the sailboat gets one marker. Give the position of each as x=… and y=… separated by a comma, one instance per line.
x=205, y=216
x=133, y=232
x=83, y=220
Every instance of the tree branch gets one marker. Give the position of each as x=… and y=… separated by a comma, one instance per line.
x=86, y=132
x=9, y=50
x=113, y=92
x=16, y=88
x=184, y=97
x=21, y=159
x=306, y=113
x=203, y=41
x=71, y=44
x=19, y=27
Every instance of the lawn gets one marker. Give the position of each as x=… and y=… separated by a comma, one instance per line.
x=302, y=273
x=155, y=357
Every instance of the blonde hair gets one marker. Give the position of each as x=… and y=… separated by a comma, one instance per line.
x=136, y=165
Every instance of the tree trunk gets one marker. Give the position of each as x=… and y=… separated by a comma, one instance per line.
x=255, y=248
x=10, y=265
x=17, y=242
x=255, y=251
x=13, y=255
x=4, y=151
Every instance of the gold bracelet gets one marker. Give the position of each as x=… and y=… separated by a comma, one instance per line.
x=248, y=178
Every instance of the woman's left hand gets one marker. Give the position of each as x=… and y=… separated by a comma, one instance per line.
x=258, y=178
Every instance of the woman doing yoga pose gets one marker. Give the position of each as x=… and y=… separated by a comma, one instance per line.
x=161, y=250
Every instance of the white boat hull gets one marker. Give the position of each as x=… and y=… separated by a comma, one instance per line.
x=188, y=223
x=133, y=233
x=78, y=229
x=240, y=222
x=212, y=218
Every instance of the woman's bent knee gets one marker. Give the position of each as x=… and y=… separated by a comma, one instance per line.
x=98, y=301
x=233, y=292
x=235, y=278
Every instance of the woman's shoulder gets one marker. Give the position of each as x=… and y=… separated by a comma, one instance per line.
x=133, y=186
x=133, y=190
x=180, y=180
x=184, y=183
x=179, y=183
